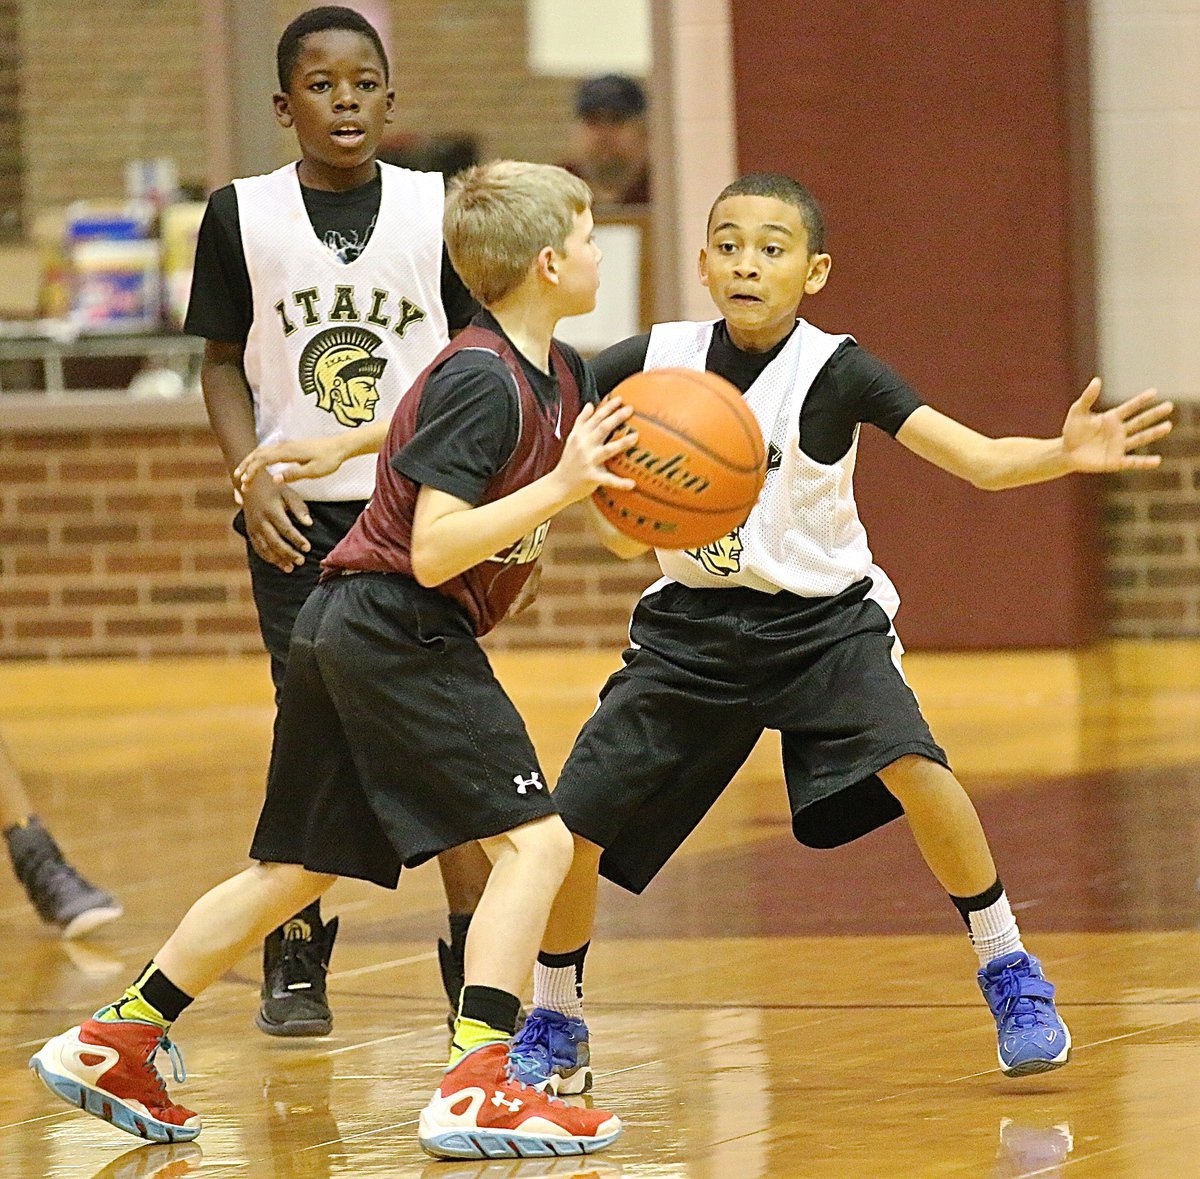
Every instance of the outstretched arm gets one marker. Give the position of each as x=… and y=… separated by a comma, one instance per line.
x=311, y=458
x=1090, y=441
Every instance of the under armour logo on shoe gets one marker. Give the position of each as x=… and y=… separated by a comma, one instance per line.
x=512, y=1106
x=523, y=784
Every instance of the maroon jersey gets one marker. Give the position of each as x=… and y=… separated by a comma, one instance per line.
x=381, y=539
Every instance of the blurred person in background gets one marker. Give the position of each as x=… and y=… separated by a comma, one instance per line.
x=61, y=896
x=447, y=154
x=611, y=143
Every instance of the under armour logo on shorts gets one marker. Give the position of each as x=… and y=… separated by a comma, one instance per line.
x=523, y=784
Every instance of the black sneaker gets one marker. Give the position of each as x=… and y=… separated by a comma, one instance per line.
x=295, y=960
x=61, y=896
x=450, y=960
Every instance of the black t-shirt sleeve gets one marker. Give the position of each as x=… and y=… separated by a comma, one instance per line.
x=854, y=386
x=457, y=302
x=622, y=360
x=220, y=306
x=876, y=392
x=468, y=425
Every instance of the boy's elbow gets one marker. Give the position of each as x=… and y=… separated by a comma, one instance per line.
x=425, y=569
x=625, y=548
x=987, y=480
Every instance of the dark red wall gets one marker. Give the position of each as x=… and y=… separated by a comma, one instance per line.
x=947, y=143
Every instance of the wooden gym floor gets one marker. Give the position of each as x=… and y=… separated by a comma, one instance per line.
x=762, y=1012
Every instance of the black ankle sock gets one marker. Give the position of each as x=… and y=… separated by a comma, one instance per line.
x=498, y=1009
x=162, y=994
x=968, y=905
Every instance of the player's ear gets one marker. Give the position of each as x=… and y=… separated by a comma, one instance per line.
x=818, y=273
x=546, y=264
x=702, y=266
x=390, y=114
x=283, y=109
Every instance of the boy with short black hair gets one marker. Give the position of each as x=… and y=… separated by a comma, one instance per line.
x=787, y=624
x=394, y=740
x=322, y=290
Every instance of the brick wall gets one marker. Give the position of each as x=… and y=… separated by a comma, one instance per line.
x=104, y=82
x=1153, y=539
x=118, y=543
x=458, y=65
x=10, y=123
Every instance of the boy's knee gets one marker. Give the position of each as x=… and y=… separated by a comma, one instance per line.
x=549, y=840
x=912, y=778
x=294, y=879
x=546, y=839
x=560, y=844
x=586, y=852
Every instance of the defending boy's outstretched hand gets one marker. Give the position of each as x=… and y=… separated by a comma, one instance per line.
x=591, y=444
x=311, y=458
x=1104, y=441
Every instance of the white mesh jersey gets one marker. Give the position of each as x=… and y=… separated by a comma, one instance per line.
x=334, y=345
x=803, y=535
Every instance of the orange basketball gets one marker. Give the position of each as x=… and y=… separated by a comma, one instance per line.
x=699, y=461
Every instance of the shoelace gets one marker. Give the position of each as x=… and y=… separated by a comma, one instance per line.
x=167, y=1045
x=513, y=1079
x=1019, y=995
x=299, y=962
x=534, y=1041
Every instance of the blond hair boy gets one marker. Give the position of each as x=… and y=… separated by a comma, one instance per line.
x=394, y=740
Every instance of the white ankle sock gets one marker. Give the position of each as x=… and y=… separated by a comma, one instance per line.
x=994, y=930
x=554, y=989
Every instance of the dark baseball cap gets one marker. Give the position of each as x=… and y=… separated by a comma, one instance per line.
x=610, y=94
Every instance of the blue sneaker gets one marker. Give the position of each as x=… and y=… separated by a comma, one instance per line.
x=551, y=1053
x=1031, y=1037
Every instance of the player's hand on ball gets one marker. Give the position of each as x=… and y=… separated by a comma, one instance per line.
x=1103, y=441
x=595, y=439
x=271, y=511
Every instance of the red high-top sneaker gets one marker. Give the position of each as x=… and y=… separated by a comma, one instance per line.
x=481, y=1112
x=107, y=1070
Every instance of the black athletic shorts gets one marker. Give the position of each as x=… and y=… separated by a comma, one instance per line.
x=706, y=672
x=393, y=741
x=278, y=596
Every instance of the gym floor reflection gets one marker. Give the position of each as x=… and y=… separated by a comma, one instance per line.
x=764, y=1011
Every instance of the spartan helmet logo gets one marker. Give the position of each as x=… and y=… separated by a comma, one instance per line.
x=723, y=557
x=337, y=368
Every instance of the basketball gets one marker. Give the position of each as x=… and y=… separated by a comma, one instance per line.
x=699, y=462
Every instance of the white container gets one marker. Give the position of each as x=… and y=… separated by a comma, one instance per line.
x=116, y=286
